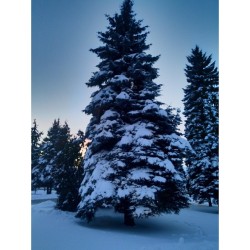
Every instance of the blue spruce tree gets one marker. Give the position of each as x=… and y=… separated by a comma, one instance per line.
x=129, y=164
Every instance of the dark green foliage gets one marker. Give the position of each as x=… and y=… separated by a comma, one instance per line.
x=69, y=174
x=35, y=153
x=201, y=101
x=52, y=145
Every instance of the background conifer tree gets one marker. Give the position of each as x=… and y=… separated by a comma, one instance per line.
x=68, y=176
x=201, y=128
x=59, y=165
x=129, y=164
x=35, y=153
x=52, y=144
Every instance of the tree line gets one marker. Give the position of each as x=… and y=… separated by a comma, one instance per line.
x=57, y=163
x=138, y=162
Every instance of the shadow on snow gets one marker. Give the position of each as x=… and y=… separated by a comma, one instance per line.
x=170, y=226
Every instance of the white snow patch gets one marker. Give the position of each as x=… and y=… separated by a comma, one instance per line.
x=104, y=134
x=153, y=160
x=162, y=112
x=145, y=142
x=101, y=168
x=159, y=179
x=119, y=78
x=125, y=140
x=142, y=132
x=167, y=164
x=140, y=211
x=145, y=192
x=151, y=106
x=120, y=163
x=140, y=174
x=103, y=188
x=179, y=142
x=100, y=73
x=122, y=192
x=108, y=114
x=103, y=95
x=123, y=96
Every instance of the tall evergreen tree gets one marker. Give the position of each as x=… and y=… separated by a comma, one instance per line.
x=201, y=100
x=35, y=152
x=129, y=164
x=69, y=173
x=52, y=144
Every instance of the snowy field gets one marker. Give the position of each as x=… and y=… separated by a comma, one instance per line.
x=40, y=194
x=194, y=228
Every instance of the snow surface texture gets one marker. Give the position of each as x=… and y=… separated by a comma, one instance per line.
x=195, y=228
x=40, y=194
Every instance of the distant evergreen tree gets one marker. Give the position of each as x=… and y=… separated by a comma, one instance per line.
x=133, y=160
x=60, y=144
x=176, y=152
x=59, y=165
x=69, y=174
x=52, y=144
x=35, y=153
x=201, y=129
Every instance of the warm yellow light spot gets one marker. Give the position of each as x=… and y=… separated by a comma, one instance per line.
x=85, y=146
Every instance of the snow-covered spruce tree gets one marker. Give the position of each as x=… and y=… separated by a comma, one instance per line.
x=35, y=153
x=69, y=173
x=46, y=164
x=128, y=163
x=201, y=99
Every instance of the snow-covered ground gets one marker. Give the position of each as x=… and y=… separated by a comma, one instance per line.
x=40, y=194
x=194, y=228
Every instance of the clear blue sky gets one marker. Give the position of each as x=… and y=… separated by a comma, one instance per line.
x=63, y=31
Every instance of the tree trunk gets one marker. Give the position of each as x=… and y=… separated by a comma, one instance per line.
x=49, y=189
x=128, y=219
x=209, y=202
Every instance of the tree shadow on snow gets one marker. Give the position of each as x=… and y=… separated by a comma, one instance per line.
x=205, y=209
x=167, y=225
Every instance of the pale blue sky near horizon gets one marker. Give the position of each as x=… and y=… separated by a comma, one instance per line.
x=63, y=31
